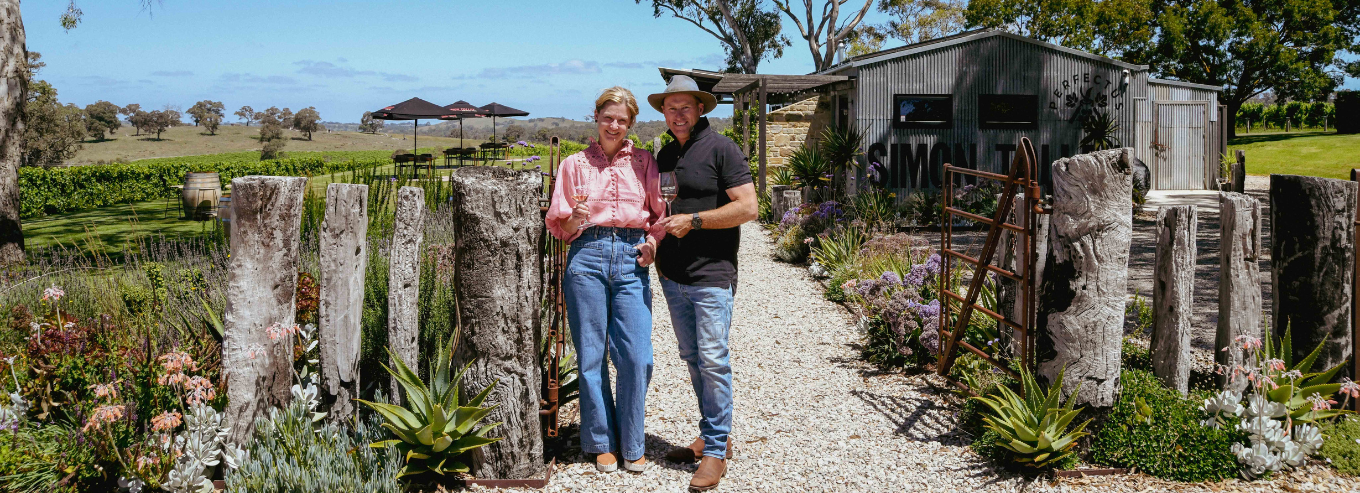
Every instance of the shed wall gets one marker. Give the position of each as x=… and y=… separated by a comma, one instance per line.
x=1063, y=83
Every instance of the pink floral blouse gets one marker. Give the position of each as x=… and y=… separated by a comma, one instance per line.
x=625, y=193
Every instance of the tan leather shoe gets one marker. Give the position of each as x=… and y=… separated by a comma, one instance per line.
x=606, y=462
x=693, y=452
x=710, y=471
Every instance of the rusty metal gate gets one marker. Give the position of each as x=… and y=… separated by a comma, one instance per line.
x=554, y=262
x=1023, y=180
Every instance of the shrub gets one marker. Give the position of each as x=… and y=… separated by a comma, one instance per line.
x=1034, y=429
x=1342, y=446
x=1173, y=445
x=67, y=189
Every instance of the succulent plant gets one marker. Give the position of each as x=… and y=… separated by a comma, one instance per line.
x=1034, y=427
x=434, y=430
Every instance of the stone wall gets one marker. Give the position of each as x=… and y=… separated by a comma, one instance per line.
x=788, y=128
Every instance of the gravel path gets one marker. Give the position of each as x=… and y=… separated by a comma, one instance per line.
x=810, y=415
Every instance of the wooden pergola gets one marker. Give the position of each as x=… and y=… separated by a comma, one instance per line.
x=762, y=90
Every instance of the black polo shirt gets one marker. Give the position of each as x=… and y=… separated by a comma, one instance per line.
x=705, y=167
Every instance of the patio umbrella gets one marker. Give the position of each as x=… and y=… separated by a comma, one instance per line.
x=462, y=110
x=412, y=109
x=494, y=110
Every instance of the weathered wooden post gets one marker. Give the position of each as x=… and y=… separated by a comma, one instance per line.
x=1239, y=282
x=1312, y=252
x=1239, y=172
x=497, y=230
x=261, y=287
x=1173, y=295
x=1085, y=282
x=344, y=257
x=784, y=200
x=403, y=281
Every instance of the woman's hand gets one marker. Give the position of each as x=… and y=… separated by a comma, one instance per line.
x=647, y=252
x=579, y=216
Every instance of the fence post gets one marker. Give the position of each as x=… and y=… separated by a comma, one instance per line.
x=1173, y=295
x=1312, y=253
x=499, y=291
x=1239, y=172
x=403, y=281
x=1080, y=323
x=261, y=291
x=344, y=258
x=1239, y=281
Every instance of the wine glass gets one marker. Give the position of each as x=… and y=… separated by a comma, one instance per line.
x=580, y=192
x=669, y=189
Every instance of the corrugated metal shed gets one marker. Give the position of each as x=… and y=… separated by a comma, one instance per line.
x=1065, y=84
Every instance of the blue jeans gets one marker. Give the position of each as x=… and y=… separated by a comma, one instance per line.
x=702, y=316
x=609, y=304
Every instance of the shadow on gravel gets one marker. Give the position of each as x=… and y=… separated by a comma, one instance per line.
x=916, y=419
x=567, y=449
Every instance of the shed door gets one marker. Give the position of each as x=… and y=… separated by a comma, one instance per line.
x=1180, y=145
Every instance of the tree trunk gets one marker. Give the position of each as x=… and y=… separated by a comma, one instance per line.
x=344, y=258
x=1233, y=106
x=1312, y=251
x=1239, y=282
x=403, y=284
x=261, y=291
x=1173, y=295
x=497, y=230
x=13, y=67
x=1085, y=282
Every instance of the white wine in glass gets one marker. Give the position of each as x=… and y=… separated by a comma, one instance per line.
x=669, y=189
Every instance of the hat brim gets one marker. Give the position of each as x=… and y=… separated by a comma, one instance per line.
x=707, y=99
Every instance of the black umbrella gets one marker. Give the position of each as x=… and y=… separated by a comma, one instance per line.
x=412, y=109
x=494, y=110
x=462, y=110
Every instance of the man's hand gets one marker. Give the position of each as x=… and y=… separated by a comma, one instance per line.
x=678, y=225
x=646, y=252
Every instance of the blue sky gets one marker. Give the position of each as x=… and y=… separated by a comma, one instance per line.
x=345, y=57
x=549, y=58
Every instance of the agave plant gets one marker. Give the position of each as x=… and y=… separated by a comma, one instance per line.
x=1292, y=384
x=434, y=430
x=1099, y=131
x=1034, y=427
x=809, y=166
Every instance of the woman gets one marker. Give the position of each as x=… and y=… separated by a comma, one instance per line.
x=613, y=235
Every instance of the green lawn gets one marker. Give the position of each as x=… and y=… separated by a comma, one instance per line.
x=1299, y=153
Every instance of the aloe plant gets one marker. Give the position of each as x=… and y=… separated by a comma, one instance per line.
x=1034, y=427
x=433, y=431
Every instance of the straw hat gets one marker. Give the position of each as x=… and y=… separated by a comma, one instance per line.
x=683, y=84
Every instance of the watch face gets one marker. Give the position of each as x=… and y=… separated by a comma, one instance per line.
x=697, y=222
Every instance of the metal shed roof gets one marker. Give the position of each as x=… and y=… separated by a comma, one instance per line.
x=966, y=37
x=724, y=84
x=1191, y=85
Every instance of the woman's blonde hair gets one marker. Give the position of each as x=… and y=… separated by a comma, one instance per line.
x=621, y=96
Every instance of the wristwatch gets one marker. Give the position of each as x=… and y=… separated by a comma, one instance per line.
x=696, y=222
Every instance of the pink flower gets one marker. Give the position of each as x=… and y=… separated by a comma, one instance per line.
x=848, y=285
x=807, y=241
x=145, y=461
x=105, y=390
x=200, y=390
x=177, y=362
x=167, y=421
x=103, y=415
x=1275, y=364
x=1248, y=342
x=1350, y=388
x=1320, y=403
x=53, y=294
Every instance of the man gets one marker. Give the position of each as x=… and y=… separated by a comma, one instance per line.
x=698, y=262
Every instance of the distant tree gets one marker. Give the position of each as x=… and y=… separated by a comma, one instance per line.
x=130, y=111
x=271, y=134
x=514, y=132
x=824, y=31
x=101, y=118
x=52, y=131
x=208, y=113
x=370, y=125
x=749, y=33
x=307, y=120
x=247, y=114
x=286, y=118
x=160, y=120
x=911, y=21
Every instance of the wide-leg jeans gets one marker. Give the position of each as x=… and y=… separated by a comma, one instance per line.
x=702, y=317
x=609, y=305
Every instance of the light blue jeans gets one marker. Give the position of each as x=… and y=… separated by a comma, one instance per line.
x=702, y=316
x=609, y=304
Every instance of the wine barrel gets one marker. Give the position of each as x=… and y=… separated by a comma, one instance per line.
x=201, y=191
x=224, y=213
